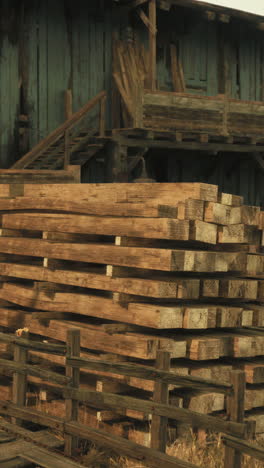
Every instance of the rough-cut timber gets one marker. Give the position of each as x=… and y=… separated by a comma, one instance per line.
x=137, y=268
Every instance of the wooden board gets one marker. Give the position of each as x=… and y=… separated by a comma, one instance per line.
x=155, y=228
x=158, y=193
x=156, y=259
x=127, y=344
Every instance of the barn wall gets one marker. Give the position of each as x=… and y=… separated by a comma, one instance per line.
x=48, y=46
x=208, y=50
x=60, y=44
x=9, y=81
x=67, y=48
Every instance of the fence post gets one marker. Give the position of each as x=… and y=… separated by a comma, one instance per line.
x=19, y=387
x=161, y=395
x=235, y=405
x=72, y=406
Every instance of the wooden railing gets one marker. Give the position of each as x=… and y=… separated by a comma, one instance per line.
x=235, y=430
x=64, y=131
x=210, y=115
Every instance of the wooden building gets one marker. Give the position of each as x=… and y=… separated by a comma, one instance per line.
x=178, y=82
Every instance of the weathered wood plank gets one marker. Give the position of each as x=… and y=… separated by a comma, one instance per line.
x=156, y=259
x=127, y=344
x=110, y=400
x=158, y=193
x=103, y=439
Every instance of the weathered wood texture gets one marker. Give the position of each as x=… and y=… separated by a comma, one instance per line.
x=137, y=268
x=200, y=113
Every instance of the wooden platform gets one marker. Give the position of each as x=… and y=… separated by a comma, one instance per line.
x=190, y=140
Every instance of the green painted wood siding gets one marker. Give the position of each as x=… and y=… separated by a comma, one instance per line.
x=65, y=52
x=9, y=101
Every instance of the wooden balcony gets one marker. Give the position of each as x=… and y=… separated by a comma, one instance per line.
x=212, y=116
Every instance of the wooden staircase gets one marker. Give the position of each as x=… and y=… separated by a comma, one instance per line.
x=72, y=143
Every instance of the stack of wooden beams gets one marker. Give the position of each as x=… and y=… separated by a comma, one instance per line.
x=137, y=267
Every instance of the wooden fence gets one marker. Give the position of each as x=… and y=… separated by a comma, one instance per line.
x=235, y=431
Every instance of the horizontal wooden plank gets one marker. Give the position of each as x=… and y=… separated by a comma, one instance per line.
x=156, y=259
x=15, y=176
x=43, y=457
x=253, y=450
x=110, y=400
x=153, y=228
x=149, y=373
x=183, y=101
x=124, y=344
x=95, y=208
x=30, y=344
x=95, y=253
x=145, y=315
x=103, y=439
x=158, y=193
x=33, y=370
x=42, y=436
x=126, y=309
x=180, y=288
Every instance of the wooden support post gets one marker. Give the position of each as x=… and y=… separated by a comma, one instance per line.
x=152, y=44
x=117, y=170
x=68, y=104
x=161, y=395
x=102, y=116
x=235, y=411
x=66, y=149
x=72, y=406
x=19, y=388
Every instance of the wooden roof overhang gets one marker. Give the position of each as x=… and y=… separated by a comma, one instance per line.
x=212, y=11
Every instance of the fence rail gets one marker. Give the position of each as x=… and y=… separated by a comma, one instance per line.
x=235, y=430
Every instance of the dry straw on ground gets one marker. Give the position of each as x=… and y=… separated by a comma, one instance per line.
x=209, y=454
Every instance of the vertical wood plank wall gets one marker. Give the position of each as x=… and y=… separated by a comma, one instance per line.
x=62, y=44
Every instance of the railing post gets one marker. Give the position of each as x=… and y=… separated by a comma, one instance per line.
x=235, y=405
x=19, y=387
x=68, y=104
x=72, y=406
x=161, y=395
x=102, y=116
x=66, y=148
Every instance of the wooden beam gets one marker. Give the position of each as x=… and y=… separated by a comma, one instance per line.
x=152, y=29
x=23, y=369
x=30, y=344
x=192, y=146
x=111, y=400
x=152, y=44
x=150, y=373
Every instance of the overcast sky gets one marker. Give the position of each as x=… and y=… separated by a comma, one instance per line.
x=253, y=6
